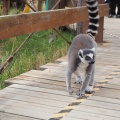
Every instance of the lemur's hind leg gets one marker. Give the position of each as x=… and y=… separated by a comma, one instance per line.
x=68, y=81
x=90, y=85
x=78, y=79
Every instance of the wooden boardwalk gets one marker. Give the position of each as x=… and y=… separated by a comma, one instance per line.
x=41, y=94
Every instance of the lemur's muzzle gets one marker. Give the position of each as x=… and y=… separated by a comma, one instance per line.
x=92, y=62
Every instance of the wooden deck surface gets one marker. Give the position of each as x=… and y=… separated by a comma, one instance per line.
x=41, y=94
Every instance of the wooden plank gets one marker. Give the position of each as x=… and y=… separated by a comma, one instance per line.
x=7, y=116
x=93, y=113
x=104, y=99
x=21, y=103
x=55, y=65
x=86, y=116
x=15, y=25
x=112, y=86
x=35, y=84
x=97, y=110
x=29, y=77
x=52, y=65
x=110, y=93
x=100, y=104
x=42, y=85
x=115, y=81
x=23, y=109
x=38, y=89
x=41, y=94
x=45, y=72
x=42, y=76
x=41, y=81
x=59, y=73
x=21, y=100
x=59, y=77
x=43, y=67
x=68, y=118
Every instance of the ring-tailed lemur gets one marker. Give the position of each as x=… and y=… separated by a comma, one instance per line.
x=83, y=51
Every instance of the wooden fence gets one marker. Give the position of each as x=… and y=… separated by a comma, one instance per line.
x=16, y=25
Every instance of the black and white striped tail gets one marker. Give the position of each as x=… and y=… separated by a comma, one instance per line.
x=92, y=6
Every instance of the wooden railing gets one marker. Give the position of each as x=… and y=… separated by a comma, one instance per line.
x=16, y=25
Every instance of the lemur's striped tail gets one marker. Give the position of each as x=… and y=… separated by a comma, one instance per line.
x=92, y=6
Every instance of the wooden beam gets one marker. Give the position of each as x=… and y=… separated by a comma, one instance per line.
x=16, y=25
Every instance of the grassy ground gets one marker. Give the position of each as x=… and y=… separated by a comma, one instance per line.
x=37, y=51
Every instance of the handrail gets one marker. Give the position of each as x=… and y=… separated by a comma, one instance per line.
x=16, y=25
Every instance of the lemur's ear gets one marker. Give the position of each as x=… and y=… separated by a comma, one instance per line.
x=93, y=49
x=80, y=53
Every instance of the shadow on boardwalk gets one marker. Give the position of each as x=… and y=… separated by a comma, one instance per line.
x=41, y=94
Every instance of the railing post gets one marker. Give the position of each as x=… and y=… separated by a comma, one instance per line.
x=99, y=36
x=39, y=5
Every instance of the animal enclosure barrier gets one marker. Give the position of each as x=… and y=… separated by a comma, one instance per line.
x=16, y=25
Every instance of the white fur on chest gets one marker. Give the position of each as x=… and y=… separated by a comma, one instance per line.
x=83, y=66
x=80, y=71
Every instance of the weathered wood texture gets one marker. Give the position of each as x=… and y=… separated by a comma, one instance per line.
x=15, y=25
x=41, y=94
x=105, y=103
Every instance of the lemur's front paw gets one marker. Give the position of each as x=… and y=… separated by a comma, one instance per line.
x=81, y=93
x=70, y=91
x=89, y=89
x=78, y=81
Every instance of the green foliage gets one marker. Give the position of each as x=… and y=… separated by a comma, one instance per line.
x=1, y=9
x=37, y=51
x=14, y=11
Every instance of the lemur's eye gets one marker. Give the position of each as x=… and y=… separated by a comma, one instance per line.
x=87, y=58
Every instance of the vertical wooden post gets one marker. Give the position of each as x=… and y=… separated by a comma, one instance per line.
x=39, y=5
x=79, y=25
x=85, y=23
x=99, y=36
x=6, y=6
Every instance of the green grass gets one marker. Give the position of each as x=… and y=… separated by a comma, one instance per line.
x=37, y=51
x=15, y=11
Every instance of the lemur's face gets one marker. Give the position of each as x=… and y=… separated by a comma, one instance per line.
x=87, y=56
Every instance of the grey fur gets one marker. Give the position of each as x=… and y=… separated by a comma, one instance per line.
x=79, y=43
x=83, y=51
